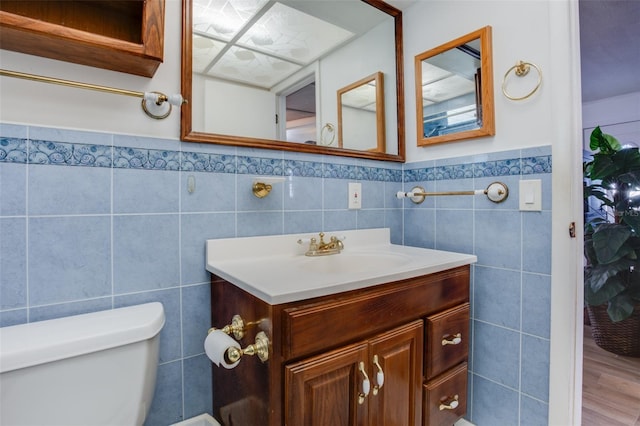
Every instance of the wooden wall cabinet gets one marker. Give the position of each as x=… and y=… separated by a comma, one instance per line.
x=322, y=348
x=122, y=35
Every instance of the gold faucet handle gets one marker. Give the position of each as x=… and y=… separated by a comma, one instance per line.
x=322, y=238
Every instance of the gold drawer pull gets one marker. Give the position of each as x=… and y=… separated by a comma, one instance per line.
x=456, y=339
x=379, y=375
x=449, y=403
x=366, y=384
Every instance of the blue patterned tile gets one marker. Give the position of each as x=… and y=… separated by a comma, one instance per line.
x=496, y=354
x=534, y=165
x=221, y=163
x=13, y=263
x=368, y=219
x=454, y=230
x=13, y=190
x=166, y=407
x=42, y=313
x=13, y=150
x=252, y=224
x=145, y=252
x=373, y=196
x=13, y=131
x=536, y=242
x=260, y=166
x=198, y=395
x=339, y=220
x=196, y=318
x=339, y=171
x=68, y=154
x=195, y=230
x=421, y=232
x=493, y=404
x=535, y=367
x=13, y=317
x=214, y=192
x=80, y=265
x=533, y=412
x=496, y=296
x=536, y=304
x=149, y=159
x=297, y=222
x=69, y=190
x=301, y=193
x=145, y=191
x=302, y=168
x=498, y=239
x=69, y=136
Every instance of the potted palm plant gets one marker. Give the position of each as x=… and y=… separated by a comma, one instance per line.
x=612, y=244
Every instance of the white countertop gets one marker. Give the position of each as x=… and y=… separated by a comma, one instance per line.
x=275, y=269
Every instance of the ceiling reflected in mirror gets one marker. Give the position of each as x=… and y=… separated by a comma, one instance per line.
x=258, y=42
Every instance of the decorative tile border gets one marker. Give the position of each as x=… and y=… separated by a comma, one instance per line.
x=16, y=150
x=510, y=167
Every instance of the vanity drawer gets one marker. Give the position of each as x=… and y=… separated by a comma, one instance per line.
x=314, y=326
x=445, y=398
x=447, y=337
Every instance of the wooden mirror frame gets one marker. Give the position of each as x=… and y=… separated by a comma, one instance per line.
x=188, y=135
x=486, y=89
x=378, y=77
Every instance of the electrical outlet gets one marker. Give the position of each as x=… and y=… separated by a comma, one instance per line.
x=355, y=195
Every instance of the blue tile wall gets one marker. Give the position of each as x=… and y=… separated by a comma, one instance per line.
x=92, y=221
x=511, y=282
x=80, y=212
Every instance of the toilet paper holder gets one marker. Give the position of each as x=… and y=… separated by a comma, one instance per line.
x=237, y=327
x=259, y=348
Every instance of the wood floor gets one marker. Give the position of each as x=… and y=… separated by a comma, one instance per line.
x=610, y=387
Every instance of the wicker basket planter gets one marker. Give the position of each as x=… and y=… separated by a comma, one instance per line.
x=621, y=338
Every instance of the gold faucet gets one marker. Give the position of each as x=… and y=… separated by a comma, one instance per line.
x=323, y=248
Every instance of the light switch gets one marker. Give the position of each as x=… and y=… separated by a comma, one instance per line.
x=355, y=195
x=531, y=195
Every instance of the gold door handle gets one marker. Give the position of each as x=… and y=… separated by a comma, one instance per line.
x=455, y=339
x=366, y=384
x=379, y=375
x=449, y=403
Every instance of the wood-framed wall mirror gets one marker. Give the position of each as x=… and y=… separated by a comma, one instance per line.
x=454, y=90
x=361, y=119
x=249, y=80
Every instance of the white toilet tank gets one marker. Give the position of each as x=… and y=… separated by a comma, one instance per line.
x=92, y=369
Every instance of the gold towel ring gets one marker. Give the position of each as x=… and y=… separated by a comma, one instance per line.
x=521, y=69
x=330, y=131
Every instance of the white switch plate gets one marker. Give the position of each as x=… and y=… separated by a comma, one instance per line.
x=531, y=195
x=355, y=195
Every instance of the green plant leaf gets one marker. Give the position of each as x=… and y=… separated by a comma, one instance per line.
x=620, y=307
x=609, y=242
x=603, y=167
x=606, y=279
x=605, y=143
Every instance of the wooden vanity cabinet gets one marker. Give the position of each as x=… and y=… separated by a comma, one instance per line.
x=314, y=374
x=121, y=35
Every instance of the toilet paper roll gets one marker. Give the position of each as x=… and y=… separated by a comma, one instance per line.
x=216, y=345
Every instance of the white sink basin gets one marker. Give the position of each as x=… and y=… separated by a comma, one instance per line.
x=275, y=269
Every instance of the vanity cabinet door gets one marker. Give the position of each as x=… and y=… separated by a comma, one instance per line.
x=398, y=356
x=329, y=389
x=324, y=390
